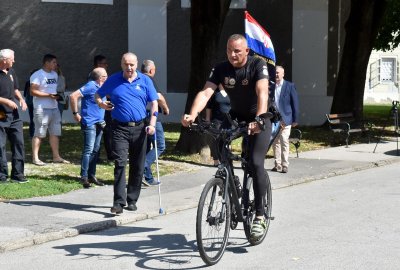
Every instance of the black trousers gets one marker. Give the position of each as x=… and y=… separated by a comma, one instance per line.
x=11, y=129
x=258, y=146
x=107, y=135
x=128, y=141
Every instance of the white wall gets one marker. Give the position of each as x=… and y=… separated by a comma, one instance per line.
x=147, y=34
x=147, y=38
x=310, y=59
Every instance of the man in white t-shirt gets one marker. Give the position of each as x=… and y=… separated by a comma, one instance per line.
x=46, y=114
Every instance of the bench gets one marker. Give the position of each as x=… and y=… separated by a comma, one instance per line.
x=345, y=124
x=294, y=138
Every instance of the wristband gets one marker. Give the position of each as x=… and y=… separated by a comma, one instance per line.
x=74, y=113
x=155, y=114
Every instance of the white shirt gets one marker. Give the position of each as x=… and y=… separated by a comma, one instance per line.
x=47, y=82
x=278, y=88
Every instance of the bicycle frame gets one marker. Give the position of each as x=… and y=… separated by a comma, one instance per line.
x=225, y=169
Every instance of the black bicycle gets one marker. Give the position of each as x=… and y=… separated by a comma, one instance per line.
x=220, y=207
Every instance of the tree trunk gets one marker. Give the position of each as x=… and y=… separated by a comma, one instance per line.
x=206, y=21
x=361, y=28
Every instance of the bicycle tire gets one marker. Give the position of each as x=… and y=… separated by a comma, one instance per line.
x=212, y=234
x=248, y=220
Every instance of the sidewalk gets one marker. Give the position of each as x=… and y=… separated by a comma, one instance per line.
x=34, y=221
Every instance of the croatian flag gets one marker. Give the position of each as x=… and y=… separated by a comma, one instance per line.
x=260, y=43
x=258, y=39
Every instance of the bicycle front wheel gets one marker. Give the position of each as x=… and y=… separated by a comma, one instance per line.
x=212, y=222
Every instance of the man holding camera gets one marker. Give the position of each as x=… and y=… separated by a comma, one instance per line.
x=92, y=123
x=46, y=115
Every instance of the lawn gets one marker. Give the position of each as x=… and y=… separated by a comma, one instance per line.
x=62, y=178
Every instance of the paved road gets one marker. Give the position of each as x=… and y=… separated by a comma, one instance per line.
x=344, y=222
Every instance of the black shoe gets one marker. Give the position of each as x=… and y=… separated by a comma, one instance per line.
x=20, y=181
x=95, y=181
x=284, y=170
x=3, y=181
x=131, y=207
x=276, y=169
x=85, y=182
x=116, y=209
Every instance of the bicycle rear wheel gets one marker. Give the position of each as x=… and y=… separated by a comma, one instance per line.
x=212, y=222
x=251, y=211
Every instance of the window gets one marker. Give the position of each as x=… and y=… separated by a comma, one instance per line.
x=237, y=4
x=388, y=70
x=99, y=2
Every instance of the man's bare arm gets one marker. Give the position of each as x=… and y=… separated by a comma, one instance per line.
x=262, y=96
x=162, y=102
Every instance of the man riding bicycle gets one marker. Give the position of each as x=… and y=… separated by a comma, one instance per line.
x=245, y=79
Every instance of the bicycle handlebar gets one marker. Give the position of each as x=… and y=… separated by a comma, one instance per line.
x=237, y=130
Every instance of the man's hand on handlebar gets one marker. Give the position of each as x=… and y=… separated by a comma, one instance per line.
x=187, y=120
x=253, y=128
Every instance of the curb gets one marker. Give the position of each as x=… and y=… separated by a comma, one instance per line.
x=40, y=238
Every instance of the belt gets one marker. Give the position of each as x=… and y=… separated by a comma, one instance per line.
x=129, y=124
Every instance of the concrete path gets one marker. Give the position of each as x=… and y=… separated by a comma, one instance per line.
x=34, y=221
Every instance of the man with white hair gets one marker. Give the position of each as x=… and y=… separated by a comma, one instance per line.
x=129, y=93
x=149, y=68
x=11, y=125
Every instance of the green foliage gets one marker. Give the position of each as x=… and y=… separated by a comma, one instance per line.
x=388, y=37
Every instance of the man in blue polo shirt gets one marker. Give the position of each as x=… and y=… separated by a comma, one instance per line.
x=129, y=91
x=92, y=122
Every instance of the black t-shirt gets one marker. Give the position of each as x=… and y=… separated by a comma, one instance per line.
x=7, y=86
x=219, y=104
x=158, y=91
x=240, y=84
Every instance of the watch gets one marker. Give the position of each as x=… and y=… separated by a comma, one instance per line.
x=74, y=113
x=260, y=121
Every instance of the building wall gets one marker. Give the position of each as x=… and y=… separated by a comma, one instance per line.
x=310, y=59
x=73, y=32
x=160, y=29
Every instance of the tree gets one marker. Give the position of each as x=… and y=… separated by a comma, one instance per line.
x=372, y=24
x=206, y=21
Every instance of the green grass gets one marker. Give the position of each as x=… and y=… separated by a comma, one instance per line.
x=61, y=178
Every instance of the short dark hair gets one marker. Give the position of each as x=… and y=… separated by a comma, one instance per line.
x=48, y=57
x=97, y=59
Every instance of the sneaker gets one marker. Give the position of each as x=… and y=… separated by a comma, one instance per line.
x=149, y=183
x=145, y=183
x=258, y=228
x=284, y=170
x=20, y=181
x=3, y=181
